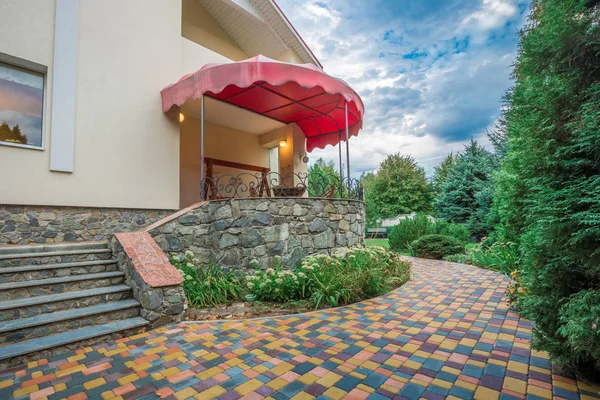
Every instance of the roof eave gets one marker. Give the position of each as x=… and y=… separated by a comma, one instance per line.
x=309, y=54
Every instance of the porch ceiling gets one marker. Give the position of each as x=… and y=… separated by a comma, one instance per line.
x=245, y=26
x=220, y=113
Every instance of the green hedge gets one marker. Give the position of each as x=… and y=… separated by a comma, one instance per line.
x=408, y=230
x=436, y=246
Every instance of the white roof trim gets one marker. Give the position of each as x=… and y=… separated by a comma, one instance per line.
x=306, y=55
x=263, y=20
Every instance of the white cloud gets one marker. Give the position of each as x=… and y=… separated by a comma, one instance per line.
x=431, y=73
x=491, y=15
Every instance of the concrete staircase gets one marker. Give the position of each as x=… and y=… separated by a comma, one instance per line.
x=56, y=298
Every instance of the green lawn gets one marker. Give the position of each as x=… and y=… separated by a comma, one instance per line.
x=377, y=242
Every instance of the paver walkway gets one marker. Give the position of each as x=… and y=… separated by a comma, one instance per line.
x=447, y=333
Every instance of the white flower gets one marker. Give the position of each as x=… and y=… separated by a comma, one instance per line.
x=196, y=261
x=294, y=277
x=189, y=265
x=309, y=267
x=249, y=278
x=262, y=285
x=301, y=274
x=254, y=263
x=270, y=271
x=188, y=278
x=189, y=253
x=279, y=281
x=280, y=274
x=250, y=285
x=276, y=290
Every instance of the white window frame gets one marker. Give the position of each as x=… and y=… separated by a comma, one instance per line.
x=275, y=177
x=40, y=69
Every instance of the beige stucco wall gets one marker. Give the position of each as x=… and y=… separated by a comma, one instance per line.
x=126, y=150
x=290, y=56
x=193, y=56
x=221, y=143
x=229, y=144
x=198, y=26
x=289, y=156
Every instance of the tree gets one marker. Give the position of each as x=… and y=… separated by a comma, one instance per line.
x=13, y=135
x=398, y=187
x=548, y=191
x=440, y=173
x=498, y=136
x=322, y=176
x=466, y=195
x=372, y=216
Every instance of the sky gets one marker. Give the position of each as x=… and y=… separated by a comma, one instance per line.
x=431, y=73
x=21, y=102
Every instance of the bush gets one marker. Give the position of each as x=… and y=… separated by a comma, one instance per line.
x=459, y=258
x=206, y=286
x=436, y=246
x=457, y=231
x=579, y=319
x=360, y=274
x=501, y=256
x=516, y=289
x=408, y=230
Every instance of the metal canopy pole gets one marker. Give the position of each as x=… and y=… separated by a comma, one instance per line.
x=347, y=145
x=202, y=182
x=341, y=168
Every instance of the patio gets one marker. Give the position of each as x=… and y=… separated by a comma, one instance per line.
x=447, y=333
x=247, y=127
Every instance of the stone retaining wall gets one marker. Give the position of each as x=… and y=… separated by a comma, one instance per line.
x=155, y=283
x=49, y=224
x=233, y=232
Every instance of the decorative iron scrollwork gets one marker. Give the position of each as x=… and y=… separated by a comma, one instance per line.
x=273, y=184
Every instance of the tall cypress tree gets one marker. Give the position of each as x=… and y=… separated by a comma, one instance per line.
x=466, y=195
x=548, y=191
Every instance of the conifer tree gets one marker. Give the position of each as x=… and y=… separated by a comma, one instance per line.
x=467, y=193
x=548, y=191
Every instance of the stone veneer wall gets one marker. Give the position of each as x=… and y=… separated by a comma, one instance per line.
x=234, y=232
x=50, y=224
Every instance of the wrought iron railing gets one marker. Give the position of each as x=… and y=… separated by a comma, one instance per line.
x=273, y=184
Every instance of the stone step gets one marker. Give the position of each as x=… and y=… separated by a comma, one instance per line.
x=29, y=307
x=43, y=271
x=62, y=321
x=51, y=248
x=66, y=256
x=65, y=338
x=43, y=287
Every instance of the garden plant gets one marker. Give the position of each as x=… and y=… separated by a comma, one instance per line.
x=323, y=281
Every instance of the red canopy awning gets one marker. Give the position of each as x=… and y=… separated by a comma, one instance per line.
x=299, y=93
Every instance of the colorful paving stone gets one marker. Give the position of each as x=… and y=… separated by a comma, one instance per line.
x=446, y=334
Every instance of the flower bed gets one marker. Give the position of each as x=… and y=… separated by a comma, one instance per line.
x=320, y=281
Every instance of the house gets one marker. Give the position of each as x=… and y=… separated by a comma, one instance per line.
x=82, y=81
x=129, y=129
x=390, y=222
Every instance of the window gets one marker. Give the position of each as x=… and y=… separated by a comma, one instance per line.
x=274, y=164
x=21, y=106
